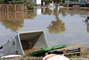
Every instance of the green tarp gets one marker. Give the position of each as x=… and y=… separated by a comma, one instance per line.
x=47, y=49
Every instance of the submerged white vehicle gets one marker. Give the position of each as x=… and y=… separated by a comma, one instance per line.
x=51, y=6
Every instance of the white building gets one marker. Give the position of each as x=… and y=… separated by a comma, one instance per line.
x=37, y=2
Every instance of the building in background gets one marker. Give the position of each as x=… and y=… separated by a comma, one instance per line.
x=36, y=2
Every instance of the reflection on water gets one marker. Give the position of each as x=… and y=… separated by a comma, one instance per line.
x=46, y=11
x=88, y=27
x=56, y=26
x=61, y=25
x=12, y=12
x=12, y=16
x=64, y=11
x=31, y=15
x=87, y=20
x=12, y=24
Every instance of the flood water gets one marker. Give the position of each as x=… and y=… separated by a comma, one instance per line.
x=61, y=26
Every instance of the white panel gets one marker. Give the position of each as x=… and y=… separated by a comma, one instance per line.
x=38, y=11
x=38, y=2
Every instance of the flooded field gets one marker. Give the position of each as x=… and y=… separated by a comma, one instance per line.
x=61, y=25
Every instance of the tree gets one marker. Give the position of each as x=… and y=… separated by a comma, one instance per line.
x=15, y=1
x=46, y=1
x=59, y=1
x=1, y=1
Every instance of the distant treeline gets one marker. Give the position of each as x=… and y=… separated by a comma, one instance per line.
x=11, y=1
x=74, y=0
x=30, y=5
x=71, y=0
x=58, y=1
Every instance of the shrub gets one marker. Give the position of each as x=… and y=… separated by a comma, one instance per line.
x=46, y=1
x=1, y=1
x=30, y=5
x=16, y=1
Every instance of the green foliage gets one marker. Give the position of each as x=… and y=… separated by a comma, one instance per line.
x=31, y=14
x=73, y=0
x=60, y=1
x=16, y=1
x=30, y=5
x=11, y=1
x=1, y=1
x=46, y=1
x=12, y=24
